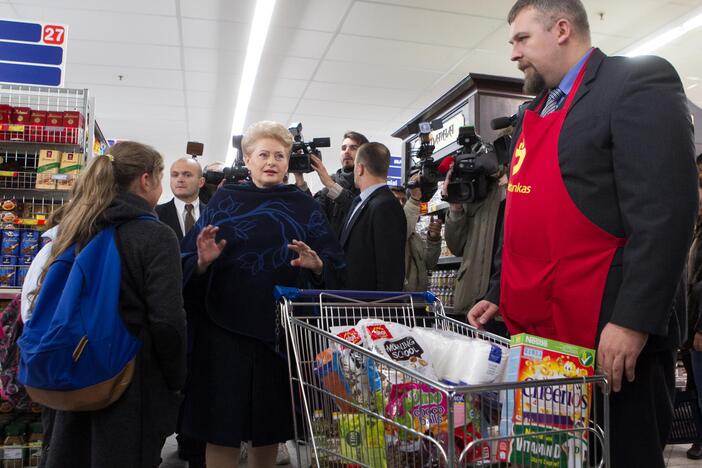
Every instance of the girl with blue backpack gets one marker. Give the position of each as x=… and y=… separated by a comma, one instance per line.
x=105, y=347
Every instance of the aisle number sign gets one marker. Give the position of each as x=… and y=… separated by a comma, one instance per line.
x=32, y=53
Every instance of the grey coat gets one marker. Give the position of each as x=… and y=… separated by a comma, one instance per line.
x=131, y=432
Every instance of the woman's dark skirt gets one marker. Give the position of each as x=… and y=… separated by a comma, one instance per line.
x=238, y=390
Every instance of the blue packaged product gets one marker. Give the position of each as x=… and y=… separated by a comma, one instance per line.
x=7, y=276
x=10, y=242
x=29, y=243
x=25, y=260
x=21, y=274
x=8, y=260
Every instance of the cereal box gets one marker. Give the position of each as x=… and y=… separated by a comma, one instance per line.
x=547, y=407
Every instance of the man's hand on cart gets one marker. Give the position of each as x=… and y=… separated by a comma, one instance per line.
x=481, y=313
x=308, y=258
x=697, y=343
x=208, y=249
x=618, y=351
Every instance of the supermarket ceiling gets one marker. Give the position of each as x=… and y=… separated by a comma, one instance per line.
x=167, y=71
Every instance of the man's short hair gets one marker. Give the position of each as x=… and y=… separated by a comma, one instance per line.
x=198, y=173
x=357, y=137
x=553, y=10
x=375, y=157
x=209, y=166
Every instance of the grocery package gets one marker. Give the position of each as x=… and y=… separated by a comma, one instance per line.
x=10, y=242
x=48, y=166
x=543, y=408
x=330, y=374
x=29, y=242
x=362, y=438
x=458, y=359
x=399, y=344
x=71, y=164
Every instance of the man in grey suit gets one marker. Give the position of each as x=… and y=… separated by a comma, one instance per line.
x=601, y=205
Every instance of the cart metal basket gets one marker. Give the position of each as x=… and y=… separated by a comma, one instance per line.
x=347, y=421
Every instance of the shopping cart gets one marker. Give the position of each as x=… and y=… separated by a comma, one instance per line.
x=346, y=421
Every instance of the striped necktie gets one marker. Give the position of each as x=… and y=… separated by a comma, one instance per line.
x=554, y=97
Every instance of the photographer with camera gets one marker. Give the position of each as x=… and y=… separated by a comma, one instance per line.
x=339, y=189
x=420, y=255
x=472, y=231
x=211, y=172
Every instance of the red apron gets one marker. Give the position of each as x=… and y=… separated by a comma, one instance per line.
x=555, y=261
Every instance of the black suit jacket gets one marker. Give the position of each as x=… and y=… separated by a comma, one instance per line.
x=627, y=157
x=167, y=213
x=374, y=243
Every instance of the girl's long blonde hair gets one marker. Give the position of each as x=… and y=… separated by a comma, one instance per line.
x=95, y=189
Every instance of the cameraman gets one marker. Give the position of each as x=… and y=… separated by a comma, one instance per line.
x=339, y=189
x=420, y=255
x=207, y=190
x=472, y=231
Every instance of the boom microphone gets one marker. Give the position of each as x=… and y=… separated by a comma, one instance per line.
x=503, y=122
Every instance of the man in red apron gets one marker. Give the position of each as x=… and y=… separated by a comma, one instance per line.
x=600, y=212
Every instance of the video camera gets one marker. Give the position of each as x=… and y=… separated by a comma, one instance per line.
x=300, y=162
x=427, y=168
x=236, y=173
x=475, y=166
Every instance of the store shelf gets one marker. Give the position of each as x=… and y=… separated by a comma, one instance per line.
x=449, y=260
x=9, y=293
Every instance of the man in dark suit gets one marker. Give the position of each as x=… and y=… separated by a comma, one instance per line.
x=600, y=213
x=183, y=211
x=373, y=235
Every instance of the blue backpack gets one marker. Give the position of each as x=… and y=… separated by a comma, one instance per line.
x=76, y=354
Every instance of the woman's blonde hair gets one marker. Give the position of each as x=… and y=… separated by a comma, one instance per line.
x=95, y=189
x=266, y=129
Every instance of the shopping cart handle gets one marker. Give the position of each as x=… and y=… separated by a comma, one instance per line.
x=295, y=294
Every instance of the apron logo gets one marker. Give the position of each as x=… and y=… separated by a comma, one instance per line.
x=519, y=154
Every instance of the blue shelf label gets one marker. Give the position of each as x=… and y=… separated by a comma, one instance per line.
x=32, y=53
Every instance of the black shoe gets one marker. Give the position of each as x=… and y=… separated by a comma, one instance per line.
x=695, y=452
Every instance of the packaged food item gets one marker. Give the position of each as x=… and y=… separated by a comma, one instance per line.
x=397, y=343
x=25, y=260
x=547, y=407
x=13, y=451
x=330, y=373
x=10, y=242
x=362, y=438
x=7, y=276
x=8, y=217
x=8, y=260
x=8, y=204
x=20, y=115
x=21, y=275
x=48, y=165
x=417, y=406
x=29, y=242
x=71, y=164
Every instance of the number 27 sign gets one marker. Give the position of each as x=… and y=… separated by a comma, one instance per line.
x=53, y=34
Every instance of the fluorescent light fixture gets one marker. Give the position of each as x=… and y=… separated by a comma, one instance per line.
x=254, y=50
x=667, y=35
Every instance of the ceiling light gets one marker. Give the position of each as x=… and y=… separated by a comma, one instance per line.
x=254, y=50
x=666, y=35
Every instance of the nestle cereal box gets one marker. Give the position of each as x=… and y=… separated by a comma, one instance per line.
x=547, y=407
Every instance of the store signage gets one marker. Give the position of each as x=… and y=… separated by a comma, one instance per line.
x=32, y=53
x=395, y=171
x=448, y=134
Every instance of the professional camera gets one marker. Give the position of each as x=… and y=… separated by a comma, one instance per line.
x=236, y=173
x=427, y=168
x=475, y=166
x=300, y=162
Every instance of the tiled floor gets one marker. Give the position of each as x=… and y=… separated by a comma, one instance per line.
x=674, y=454
x=675, y=457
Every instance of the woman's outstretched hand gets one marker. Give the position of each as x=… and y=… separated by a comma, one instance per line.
x=208, y=249
x=307, y=258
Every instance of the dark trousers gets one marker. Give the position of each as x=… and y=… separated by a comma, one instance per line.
x=641, y=413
